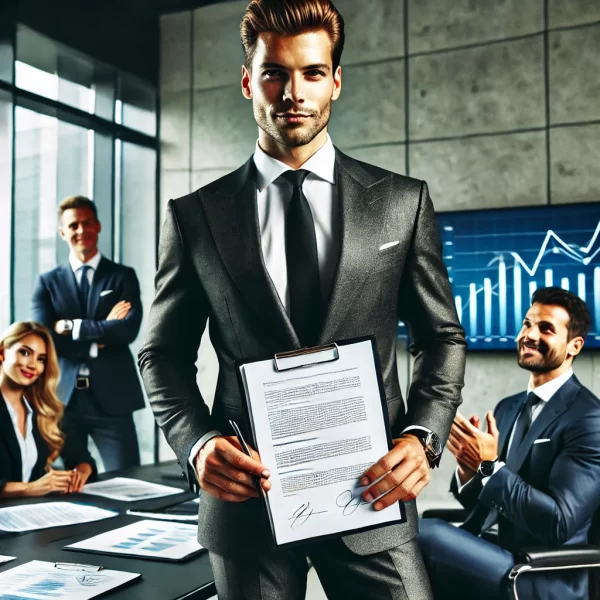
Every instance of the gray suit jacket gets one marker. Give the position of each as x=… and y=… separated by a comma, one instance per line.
x=211, y=268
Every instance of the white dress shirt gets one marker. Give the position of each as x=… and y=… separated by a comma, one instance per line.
x=29, y=453
x=76, y=265
x=273, y=197
x=544, y=392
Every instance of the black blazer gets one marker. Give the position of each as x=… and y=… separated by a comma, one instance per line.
x=211, y=268
x=113, y=374
x=10, y=454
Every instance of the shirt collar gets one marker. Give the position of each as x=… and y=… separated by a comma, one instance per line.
x=548, y=389
x=321, y=164
x=11, y=410
x=76, y=264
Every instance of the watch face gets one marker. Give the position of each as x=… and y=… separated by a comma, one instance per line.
x=486, y=468
x=435, y=443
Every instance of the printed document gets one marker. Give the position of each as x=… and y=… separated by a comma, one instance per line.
x=39, y=580
x=318, y=428
x=129, y=490
x=49, y=514
x=159, y=540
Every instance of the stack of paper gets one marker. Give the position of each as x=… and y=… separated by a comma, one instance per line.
x=129, y=490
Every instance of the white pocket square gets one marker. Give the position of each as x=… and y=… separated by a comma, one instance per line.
x=105, y=292
x=541, y=440
x=388, y=245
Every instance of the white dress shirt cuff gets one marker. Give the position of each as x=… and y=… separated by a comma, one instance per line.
x=497, y=467
x=198, y=446
x=407, y=429
x=461, y=486
x=76, y=329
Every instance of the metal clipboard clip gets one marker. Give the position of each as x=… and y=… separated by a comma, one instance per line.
x=305, y=357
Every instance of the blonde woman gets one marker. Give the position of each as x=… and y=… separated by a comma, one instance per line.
x=30, y=415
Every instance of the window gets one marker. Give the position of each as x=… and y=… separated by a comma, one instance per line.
x=52, y=162
x=6, y=136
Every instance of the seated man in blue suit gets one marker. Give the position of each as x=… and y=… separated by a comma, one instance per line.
x=93, y=307
x=535, y=473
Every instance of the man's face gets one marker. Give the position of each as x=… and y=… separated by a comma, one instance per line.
x=80, y=229
x=292, y=86
x=543, y=342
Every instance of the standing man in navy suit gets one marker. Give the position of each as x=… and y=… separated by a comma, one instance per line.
x=93, y=307
x=535, y=473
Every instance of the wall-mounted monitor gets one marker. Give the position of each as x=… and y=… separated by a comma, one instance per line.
x=497, y=258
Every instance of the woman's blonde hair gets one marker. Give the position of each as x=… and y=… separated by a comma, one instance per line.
x=42, y=393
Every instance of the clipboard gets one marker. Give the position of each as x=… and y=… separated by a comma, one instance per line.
x=297, y=360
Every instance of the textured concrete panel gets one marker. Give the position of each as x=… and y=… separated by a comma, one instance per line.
x=575, y=156
x=374, y=30
x=202, y=178
x=390, y=156
x=370, y=109
x=485, y=89
x=175, y=130
x=224, y=130
x=218, y=55
x=173, y=184
x=573, y=12
x=175, y=52
x=435, y=24
x=483, y=172
x=574, y=82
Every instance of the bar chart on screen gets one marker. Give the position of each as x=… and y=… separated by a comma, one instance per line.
x=496, y=259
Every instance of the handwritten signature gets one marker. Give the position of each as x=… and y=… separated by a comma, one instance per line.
x=302, y=514
x=348, y=502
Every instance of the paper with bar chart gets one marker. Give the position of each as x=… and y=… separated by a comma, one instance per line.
x=160, y=540
x=37, y=580
x=497, y=258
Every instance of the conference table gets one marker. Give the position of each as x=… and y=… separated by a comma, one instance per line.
x=189, y=580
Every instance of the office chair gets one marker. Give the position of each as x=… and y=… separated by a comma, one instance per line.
x=535, y=560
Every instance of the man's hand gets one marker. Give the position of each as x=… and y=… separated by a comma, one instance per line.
x=224, y=471
x=60, y=327
x=119, y=311
x=470, y=445
x=407, y=471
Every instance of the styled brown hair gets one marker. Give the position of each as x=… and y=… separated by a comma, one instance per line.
x=41, y=394
x=291, y=17
x=76, y=202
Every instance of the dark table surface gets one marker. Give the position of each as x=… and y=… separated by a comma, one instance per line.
x=191, y=579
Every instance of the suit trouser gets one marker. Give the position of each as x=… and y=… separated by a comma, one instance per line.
x=396, y=574
x=462, y=565
x=115, y=437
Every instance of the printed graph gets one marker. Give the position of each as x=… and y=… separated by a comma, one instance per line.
x=496, y=259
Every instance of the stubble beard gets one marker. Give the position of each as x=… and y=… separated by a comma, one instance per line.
x=549, y=361
x=289, y=135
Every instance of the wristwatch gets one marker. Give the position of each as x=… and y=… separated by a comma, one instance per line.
x=68, y=324
x=431, y=444
x=486, y=468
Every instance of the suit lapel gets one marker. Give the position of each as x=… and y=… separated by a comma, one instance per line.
x=508, y=421
x=71, y=290
x=232, y=217
x=362, y=204
x=97, y=285
x=554, y=408
x=7, y=432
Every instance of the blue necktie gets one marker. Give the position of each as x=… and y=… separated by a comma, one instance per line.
x=84, y=289
x=521, y=427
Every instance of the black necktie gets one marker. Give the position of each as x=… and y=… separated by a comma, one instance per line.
x=84, y=289
x=521, y=426
x=306, y=303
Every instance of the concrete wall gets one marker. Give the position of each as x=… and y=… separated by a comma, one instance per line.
x=492, y=103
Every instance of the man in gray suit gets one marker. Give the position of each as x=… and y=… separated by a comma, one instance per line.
x=302, y=245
